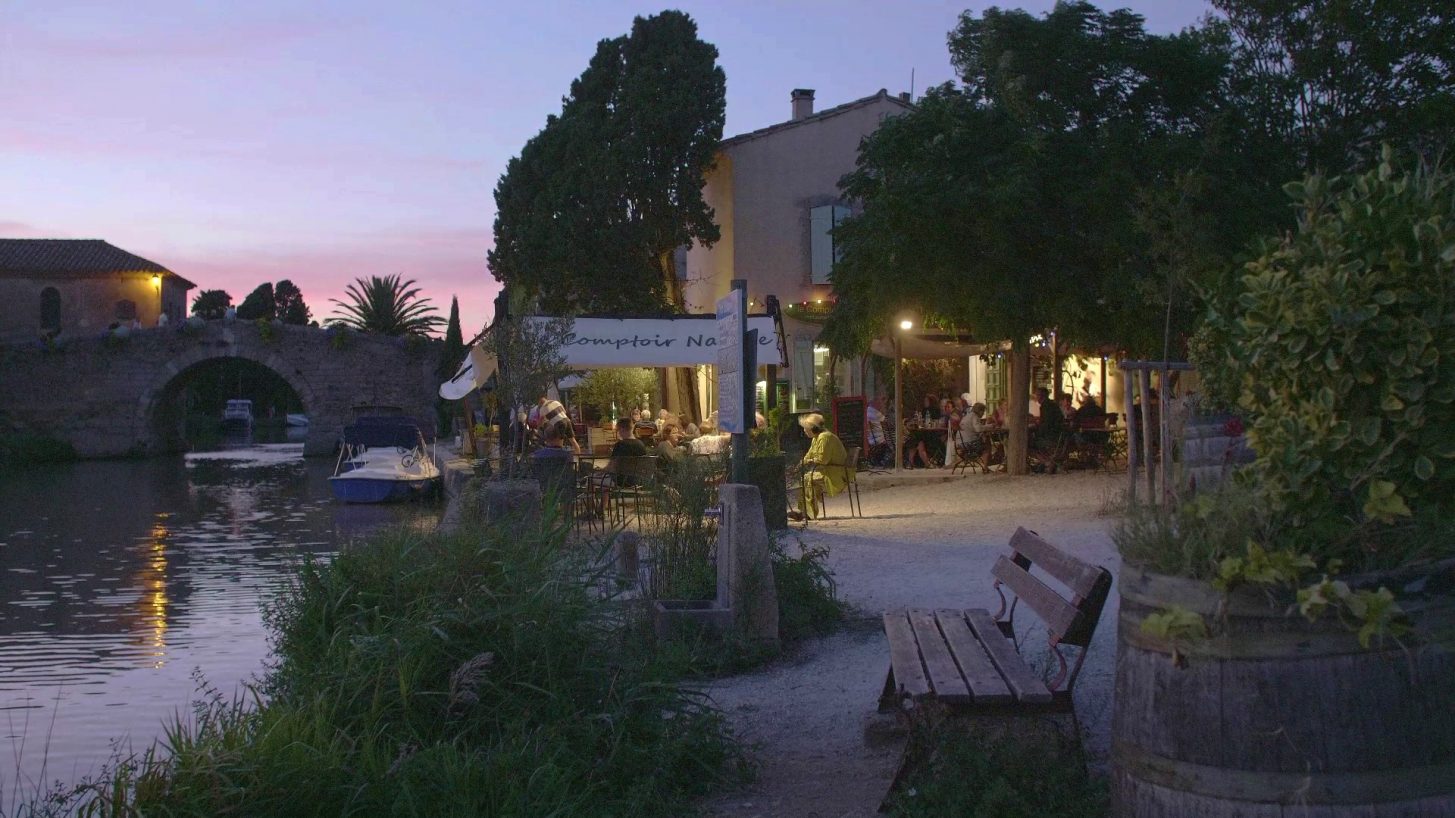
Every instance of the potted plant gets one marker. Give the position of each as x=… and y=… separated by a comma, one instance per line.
x=767, y=467
x=1280, y=636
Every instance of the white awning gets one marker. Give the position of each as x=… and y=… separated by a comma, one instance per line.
x=479, y=365
x=930, y=347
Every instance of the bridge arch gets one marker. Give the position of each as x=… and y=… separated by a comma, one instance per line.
x=155, y=417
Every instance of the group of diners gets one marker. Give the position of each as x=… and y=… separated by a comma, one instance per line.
x=974, y=430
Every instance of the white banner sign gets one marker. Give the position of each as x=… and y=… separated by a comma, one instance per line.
x=730, y=363
x=681, y=341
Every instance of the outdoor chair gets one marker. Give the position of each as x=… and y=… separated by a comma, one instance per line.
x=970, y=456
x=851, y=489
x=633, y=487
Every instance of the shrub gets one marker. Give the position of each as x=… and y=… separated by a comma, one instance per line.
x=980, y=777
x=473, y=673
x=24, y=448
x=1340, y=346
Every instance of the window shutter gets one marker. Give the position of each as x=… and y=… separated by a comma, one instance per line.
x=821, y=244
x=802, y=372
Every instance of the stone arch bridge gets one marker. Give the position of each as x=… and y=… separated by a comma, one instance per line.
x=112, y=397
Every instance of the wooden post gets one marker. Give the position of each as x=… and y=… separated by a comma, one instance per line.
x=898, y=443
x=1128, y=396
x=1144, y=376
x=1164, y=479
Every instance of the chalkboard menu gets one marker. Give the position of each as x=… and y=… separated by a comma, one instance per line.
x=849, y=421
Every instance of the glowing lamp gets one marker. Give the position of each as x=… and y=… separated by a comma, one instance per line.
x=906, y=324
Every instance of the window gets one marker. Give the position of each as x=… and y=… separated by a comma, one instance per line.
x=125, y=310
x=802, y=375
x=822, y=252
x=50, y=308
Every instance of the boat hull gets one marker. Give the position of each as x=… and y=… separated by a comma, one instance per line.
x=378, y=489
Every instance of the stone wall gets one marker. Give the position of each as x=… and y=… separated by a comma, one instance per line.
x=113, y=397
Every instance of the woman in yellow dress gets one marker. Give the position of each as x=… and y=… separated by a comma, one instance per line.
x=825, y=466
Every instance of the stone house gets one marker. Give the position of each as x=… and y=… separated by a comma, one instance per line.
x=775, y=196
x=77, y=287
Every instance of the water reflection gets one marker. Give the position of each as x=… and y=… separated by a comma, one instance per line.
x=119, y=579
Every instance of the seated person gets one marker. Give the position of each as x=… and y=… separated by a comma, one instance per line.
x=554, y=445
x=967, y=438
x=1052, y=424
x=670, y=449
x=627, y=444
x=829, y=462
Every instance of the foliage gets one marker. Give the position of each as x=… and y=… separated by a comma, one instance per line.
x=211, y=303
x=973, y=776
x=385, y=306
x=1338, y=345
x=592, y=212
x=1374, y=611
x=267, y=331
x=260, y=303
x=289, y=305
x=473, y=673
x=1192, y=538
x=767, y=440
x=531, y=361
x=340, y=338
x=1331, y=81
x=808, y=601
x=619, y=386
x=1176, y=626
x=453, y=353
x=26, y=448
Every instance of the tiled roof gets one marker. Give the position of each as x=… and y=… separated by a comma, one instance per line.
x=72, y=258
x=816, y=117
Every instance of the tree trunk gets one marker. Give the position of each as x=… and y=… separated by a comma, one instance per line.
x=1018, y=407
x=679, y=384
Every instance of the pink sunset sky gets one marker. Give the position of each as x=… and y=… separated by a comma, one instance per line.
x=237, y=143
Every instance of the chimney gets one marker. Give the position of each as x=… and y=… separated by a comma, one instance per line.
x=905, y=97
x=802, y=102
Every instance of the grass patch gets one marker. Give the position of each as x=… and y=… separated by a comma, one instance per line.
x=968, y=776
x=479, y=672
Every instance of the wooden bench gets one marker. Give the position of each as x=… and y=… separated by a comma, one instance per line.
x=950, y=663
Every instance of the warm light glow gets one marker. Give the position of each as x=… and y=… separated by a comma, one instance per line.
x=906, y=324
x=819, y=301
x=157, y=281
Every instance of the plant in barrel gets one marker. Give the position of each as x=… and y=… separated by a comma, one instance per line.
x=1306, y=603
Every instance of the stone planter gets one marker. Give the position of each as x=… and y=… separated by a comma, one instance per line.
x=673, y=618
x=768, y=474
x=1274, y=715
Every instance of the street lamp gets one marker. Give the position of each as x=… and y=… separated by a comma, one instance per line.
x=905, y=325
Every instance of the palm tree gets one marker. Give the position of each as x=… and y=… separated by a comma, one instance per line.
x=385, y=306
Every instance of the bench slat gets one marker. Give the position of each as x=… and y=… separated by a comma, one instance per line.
x=1059, y=615
x=1017, y=674
x=909, y=677
x=986, y=685
x=944, y=676
x=1079, y=576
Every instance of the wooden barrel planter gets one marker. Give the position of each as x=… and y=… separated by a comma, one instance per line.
x=1273, y=716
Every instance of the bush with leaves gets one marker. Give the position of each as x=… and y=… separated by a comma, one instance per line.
x=1340, y=346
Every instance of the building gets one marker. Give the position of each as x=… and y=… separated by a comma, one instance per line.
x=775, y=196
x=52, y=287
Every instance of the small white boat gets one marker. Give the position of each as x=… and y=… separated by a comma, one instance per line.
x=297, y=420
x=383, y=460
x=238, y=414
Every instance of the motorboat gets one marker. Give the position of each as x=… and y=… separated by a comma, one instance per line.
x=238, y=414
x=383, y=460
x=297, y=420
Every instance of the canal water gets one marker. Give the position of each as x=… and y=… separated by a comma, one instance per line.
x=126, y=584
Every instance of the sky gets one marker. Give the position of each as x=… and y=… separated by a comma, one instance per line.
x=237, y=143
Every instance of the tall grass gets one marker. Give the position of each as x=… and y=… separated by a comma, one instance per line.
x=478, y=672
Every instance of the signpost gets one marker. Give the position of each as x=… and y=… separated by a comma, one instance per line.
x=734, y=373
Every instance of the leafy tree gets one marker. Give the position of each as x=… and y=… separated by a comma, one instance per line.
x=1016, y=203
x=453, y=353
x=1333, y=80
x=591, y=212
x=386, y=306
x=211, y=303
x=288, y=302
x=260, y=303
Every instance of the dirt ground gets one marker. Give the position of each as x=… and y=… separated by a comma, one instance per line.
x=810, y=718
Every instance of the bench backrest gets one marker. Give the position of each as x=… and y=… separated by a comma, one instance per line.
x=1070, y=621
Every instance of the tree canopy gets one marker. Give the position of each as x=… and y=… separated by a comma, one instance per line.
x=288, y=301
x=385, y=306
x=1018, y=200
x=591, y=212
x=259, y=304
x=211, y=303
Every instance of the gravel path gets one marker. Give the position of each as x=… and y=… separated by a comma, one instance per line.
x=810, y=718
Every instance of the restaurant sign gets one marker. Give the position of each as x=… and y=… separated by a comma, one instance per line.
x=680, y=341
